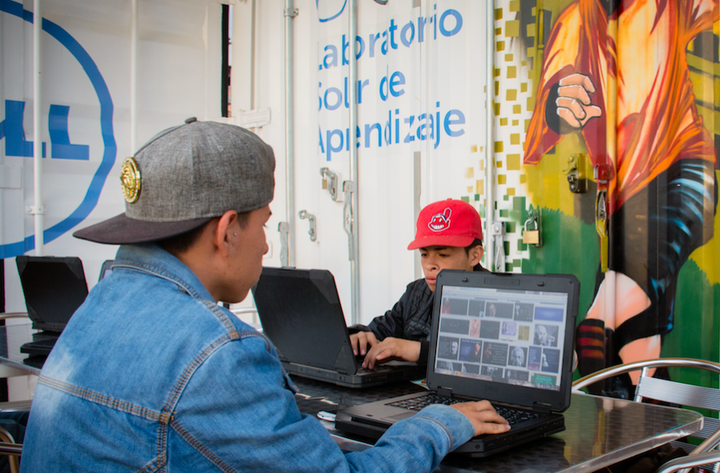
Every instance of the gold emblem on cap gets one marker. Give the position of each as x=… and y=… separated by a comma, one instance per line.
x=130, y=180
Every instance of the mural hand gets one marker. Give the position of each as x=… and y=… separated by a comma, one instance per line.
x=574, y=104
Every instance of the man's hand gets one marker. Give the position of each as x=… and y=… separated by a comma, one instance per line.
x=575, y=107
x=360, y=341
x=391, y=349
x=483, y=417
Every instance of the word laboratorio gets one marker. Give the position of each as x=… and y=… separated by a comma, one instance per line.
x=449, y=24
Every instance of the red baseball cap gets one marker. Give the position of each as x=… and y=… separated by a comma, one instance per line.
x=447, y=223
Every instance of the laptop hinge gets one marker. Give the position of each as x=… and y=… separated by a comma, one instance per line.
x=541, y=408
x=341, y=368
x=345, y=361
x=444, y=392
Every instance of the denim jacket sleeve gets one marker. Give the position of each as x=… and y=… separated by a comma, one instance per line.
x=238, y=413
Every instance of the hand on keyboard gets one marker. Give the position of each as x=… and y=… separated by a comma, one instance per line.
x=483, y=417
x=392, y=349
x=361, y=342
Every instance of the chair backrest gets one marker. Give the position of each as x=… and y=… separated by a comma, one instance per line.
x=683, y=394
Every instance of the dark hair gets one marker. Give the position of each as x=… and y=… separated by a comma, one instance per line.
x=181, y=243
x=476, y=242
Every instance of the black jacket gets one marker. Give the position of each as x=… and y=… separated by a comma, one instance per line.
x=409, y=319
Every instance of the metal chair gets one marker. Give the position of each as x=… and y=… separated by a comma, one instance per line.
x=700, y=459
x=675, y=393
x=8, y=445
x=11, y=449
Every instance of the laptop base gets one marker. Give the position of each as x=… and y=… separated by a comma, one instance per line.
x=477, y=447
x=362, y=379
x=502, y=442
x=41, y=346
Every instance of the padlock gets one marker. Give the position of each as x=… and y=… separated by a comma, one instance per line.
x=531, y=236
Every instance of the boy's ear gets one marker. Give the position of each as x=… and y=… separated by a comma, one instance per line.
x=221, y=235
x=476, y=253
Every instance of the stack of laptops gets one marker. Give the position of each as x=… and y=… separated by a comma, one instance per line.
x=54, y=287
x=506, y=338
x=301, y=314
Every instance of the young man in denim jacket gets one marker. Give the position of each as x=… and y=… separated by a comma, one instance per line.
x=151, y=374
x=449, y=236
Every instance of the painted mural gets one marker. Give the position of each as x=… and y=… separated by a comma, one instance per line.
x=615, y=106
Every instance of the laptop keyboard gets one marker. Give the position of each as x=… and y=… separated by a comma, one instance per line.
x=512, y=415
x=360, y=370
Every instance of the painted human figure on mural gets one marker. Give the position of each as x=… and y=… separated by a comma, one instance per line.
x=662, y=191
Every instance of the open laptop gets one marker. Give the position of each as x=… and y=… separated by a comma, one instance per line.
x=506, y=338
x=54, y=287
x=300, y=312
x=106, y=269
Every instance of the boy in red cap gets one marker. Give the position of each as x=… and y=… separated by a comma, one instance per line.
x=449, y=236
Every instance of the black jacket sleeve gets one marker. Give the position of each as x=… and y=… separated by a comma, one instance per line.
x=388, y=325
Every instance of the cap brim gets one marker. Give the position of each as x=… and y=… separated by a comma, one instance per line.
x=123, y=230
x=438, y=240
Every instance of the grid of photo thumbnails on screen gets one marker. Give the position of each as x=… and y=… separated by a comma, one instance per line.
x=513, y=337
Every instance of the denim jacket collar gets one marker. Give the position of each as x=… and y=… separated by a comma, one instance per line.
x=152, y=259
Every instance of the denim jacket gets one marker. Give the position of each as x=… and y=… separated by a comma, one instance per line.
x=151, y=375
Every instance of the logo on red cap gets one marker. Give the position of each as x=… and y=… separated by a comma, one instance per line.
x=440, y=221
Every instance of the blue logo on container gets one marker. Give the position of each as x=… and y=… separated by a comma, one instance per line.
x=15, y=145
x=328, y=10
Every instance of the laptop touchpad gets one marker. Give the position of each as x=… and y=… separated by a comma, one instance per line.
x=402, y=416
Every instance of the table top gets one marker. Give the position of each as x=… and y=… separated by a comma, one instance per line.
x=12, y=337
x=599, y=431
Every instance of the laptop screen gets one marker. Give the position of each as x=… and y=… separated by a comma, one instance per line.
x=106, y=269
x=301, y=314
x=54, y=287
x=502, y=335
x=505, y=337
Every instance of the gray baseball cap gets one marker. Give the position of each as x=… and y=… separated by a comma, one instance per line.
x=184, y=177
